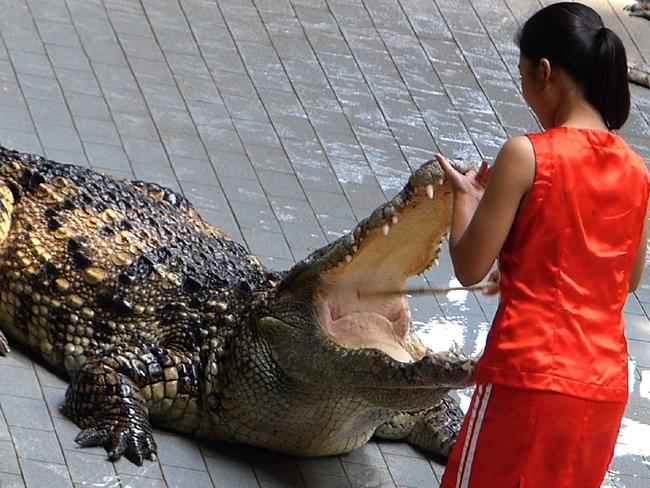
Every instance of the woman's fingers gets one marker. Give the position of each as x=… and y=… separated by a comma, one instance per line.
x=492, y=286
x=458, y=181
x=483, y=174
x=449, y=170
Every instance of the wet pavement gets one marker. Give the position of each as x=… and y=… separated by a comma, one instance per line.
x=285, y=122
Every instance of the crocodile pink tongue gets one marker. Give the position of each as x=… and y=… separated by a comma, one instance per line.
x=369, y=324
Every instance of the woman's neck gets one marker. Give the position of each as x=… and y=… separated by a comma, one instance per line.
x=575, y=111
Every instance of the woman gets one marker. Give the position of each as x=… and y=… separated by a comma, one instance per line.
x=564, y=211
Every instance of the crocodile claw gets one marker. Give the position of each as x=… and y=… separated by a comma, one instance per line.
x=4, y=345
x=133, y=443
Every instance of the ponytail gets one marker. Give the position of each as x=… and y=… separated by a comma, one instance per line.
x=572, y=36
x=609, y=90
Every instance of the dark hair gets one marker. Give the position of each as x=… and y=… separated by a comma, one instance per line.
x=572, y=36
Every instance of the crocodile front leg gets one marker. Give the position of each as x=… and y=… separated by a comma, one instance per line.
x=434, y=429
x=112, y=396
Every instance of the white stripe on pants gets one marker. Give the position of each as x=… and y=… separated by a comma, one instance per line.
x=471, y=438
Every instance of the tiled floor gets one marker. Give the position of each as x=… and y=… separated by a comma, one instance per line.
x=284, y=121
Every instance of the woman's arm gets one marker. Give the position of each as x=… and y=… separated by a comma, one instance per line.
x=482, y=220
x=639, y=262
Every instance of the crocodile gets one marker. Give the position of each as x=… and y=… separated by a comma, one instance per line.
x=157, y=317
x=640, y=8
x=639, y=73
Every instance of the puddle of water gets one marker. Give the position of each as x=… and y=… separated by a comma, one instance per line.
x=441, y=334
x=633, y=439
x=463, y=331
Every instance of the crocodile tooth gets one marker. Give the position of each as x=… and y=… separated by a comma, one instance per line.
x=439, y=181
x=386, y=229
x=348, y=258
x=355, y=248
x=395, y=219
x=430, y=191
x=436, y=262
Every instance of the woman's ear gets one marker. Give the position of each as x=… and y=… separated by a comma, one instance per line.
x=544, y=71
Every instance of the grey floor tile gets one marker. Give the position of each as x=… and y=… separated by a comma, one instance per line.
x=47, y=378
x=11, y=480
x=183, y=145
x=325, y=480
x=115, y=77
x=276, y=468
x=16, y=118
x=22, y=141
x=19, y=382
x=125, y=101
x=26, y=412
x=55, y=398
x=290, y=209
x=256, y=216
x=67, y=57
x=631, y=465
x=129, y=481
x=107, y=156
x=37, y=445
x=630, y=481
x=60, y=34
x=30, y=63
x=58, y=137
x=182, y=478
x=162, y=95
x=179, y=452
x=90, y=106
x=4, y=428
x=361, y=475
x=91, y=470
x=38, y=474
x=400, y=449
x=8, y=460
x=135, y=125
x=173, y=121
x=80, y=82
x=302, y=238
x=40, y=88
x=280, y=184
x=149, y=469
x=16, y=359
x=368, y=455
x=231, y=472
x=11, y=95
x=640, y=352
x=191, y=170
x=98, y=131
x=243, y=190
x=265, y=243
x=66, y=431
x=65, y=156
x=327, y=465
x=410, y=471
x=637, y=327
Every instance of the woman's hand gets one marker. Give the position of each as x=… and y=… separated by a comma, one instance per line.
x=471, y=183
x=492, y=286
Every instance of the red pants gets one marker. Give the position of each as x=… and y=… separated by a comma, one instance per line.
x=524, y=438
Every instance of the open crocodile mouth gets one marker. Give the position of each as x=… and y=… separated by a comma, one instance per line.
x=356, y=274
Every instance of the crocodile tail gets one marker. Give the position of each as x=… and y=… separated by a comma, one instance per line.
x=6, y=210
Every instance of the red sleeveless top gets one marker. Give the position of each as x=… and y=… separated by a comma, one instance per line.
x=565, y=269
